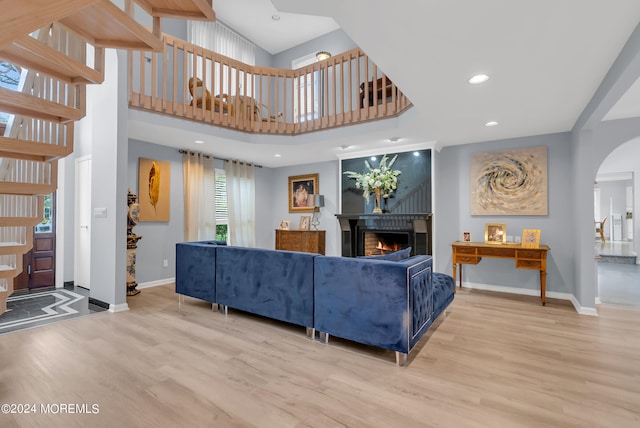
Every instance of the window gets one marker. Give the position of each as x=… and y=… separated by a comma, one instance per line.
x=222, y=214
x=308, y=85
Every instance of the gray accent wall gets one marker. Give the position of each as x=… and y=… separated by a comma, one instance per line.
x=328, y=184
x=453, y=216
x=159, y=239
x=336, y=42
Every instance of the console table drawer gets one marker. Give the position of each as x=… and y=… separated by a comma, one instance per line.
x=528, y=264
x=496, y=252
x=465, y=250
x=524, y=254
x=467, y=259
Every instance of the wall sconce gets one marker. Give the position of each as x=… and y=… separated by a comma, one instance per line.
x=322, y=55
x=317, y=202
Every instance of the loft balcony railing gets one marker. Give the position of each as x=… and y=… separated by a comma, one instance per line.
x=345, y=89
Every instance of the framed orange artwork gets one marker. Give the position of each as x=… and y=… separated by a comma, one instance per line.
x=154, y=190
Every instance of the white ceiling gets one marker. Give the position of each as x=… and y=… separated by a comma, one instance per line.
x=545, y=59
x=253, y=19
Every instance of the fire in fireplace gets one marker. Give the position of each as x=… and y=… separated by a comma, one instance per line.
x=377, y=242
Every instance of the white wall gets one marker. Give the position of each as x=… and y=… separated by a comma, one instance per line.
x=102, y=134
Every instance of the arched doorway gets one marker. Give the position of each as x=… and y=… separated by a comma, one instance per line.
x=616, y=195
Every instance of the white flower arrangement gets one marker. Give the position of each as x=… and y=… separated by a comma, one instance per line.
x=382, y=177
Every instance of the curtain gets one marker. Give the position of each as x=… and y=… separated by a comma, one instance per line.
x=217, y=38
x=199, y=197
x=241, y=203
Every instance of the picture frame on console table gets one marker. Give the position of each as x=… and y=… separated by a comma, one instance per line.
x=495, y=233
x=300, y=188
x=466, y=236
x=531, y=238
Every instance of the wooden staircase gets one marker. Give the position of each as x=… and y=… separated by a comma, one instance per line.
x=52, y=40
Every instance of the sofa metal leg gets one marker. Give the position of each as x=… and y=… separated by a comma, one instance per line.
x=324, y=337
x=401, y=358
x=224, y=309
x=311, y=333
x=215, y=307
x=180, y=300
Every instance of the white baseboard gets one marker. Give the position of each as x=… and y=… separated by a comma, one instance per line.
x=530, y=292
x=118, y=308
x=155, y=283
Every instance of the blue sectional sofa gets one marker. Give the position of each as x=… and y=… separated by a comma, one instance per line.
x=274, y=284
x=388, y=302
x=376, y=302
x=196, y=270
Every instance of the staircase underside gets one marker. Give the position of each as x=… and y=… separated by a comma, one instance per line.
x=50, y=41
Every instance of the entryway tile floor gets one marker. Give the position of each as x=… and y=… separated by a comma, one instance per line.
x=37, y=308
x=618, y=283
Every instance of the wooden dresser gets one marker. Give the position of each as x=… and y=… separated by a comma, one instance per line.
x=306, y=241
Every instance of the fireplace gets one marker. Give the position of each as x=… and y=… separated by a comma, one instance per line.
x=370, y=234
x=381, y=242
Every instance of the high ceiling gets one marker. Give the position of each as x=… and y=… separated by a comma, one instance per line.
x=545, y=60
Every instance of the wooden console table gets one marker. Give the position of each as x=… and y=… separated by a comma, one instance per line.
x=525, y=258
x=306, y=241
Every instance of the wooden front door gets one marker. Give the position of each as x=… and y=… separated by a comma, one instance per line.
x=39, y=263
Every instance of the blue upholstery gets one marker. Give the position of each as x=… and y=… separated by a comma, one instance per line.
x=443, y=291
x=375, y=302
x=275, y=284
x=195, y=270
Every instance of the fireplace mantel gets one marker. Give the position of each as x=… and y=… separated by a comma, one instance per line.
x=417, y=226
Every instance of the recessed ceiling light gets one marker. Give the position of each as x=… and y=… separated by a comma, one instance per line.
x=478, y=78
x=277, y=155
x=394, y=139
x=199, y=142
x=345, y=146
x=492, y=123
x=275, y=17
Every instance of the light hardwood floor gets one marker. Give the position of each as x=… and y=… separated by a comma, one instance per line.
x=495, y=360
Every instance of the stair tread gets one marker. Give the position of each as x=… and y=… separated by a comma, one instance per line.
x=186, y=9
x=6, y=268
x=20, y=19
x=11, y=244
x=105, y=25
x=35, y=55
x=16, y=148
x=24, y=104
